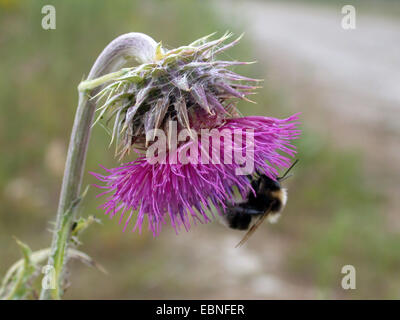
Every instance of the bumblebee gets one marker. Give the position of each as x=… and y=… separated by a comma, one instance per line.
x=268, y=201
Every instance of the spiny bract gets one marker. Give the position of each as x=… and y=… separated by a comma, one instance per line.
x=181, y=84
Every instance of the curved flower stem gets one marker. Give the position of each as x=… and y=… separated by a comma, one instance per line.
x=113, y=57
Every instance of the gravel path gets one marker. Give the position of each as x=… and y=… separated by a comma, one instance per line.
x=357, y=72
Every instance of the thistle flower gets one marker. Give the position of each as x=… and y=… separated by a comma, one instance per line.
x=184, y=193
x=177, y=84
x=189, y=86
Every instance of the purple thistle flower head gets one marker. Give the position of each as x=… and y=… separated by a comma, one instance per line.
x=187, y=181
x=185, y=193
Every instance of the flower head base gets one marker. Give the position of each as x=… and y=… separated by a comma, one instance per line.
x=184, y=193
x=177, y=84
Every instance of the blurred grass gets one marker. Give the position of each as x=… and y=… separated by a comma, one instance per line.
x=333, y=217
x=341, y=222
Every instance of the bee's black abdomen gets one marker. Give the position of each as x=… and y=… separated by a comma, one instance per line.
x=238, y=221
x=276, y=205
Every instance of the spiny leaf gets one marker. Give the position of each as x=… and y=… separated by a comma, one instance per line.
x=15, y=284
x=82, y=224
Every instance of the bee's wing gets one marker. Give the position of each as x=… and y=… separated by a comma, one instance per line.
x=253, y=228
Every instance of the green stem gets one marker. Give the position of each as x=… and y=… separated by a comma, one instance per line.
x=113, y=57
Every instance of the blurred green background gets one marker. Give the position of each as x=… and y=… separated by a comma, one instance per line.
x=342, y=205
